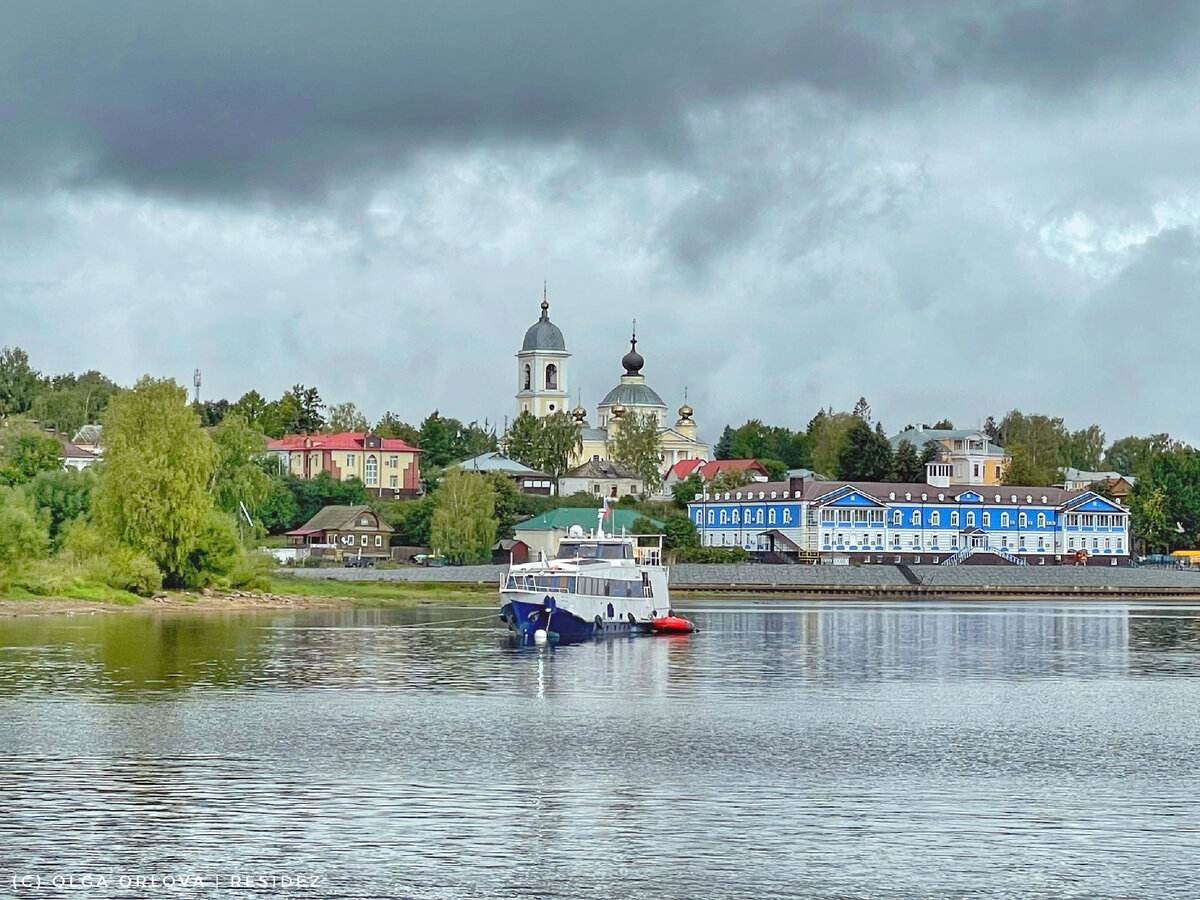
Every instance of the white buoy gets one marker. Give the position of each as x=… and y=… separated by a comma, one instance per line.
x=539, y=636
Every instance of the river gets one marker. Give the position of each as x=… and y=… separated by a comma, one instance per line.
x=788, y=750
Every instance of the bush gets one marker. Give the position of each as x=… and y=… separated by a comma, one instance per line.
x=252, y=569
x=713, y=554
x=128, y=570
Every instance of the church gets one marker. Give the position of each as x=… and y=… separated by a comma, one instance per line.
x=543, y=389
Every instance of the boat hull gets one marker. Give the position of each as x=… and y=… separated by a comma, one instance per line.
x=571, y=619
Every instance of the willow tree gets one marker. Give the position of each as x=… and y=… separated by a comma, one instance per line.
x=152, y=495
x=464, y=521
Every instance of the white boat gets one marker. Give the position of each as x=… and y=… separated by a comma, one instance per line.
x=594, y=584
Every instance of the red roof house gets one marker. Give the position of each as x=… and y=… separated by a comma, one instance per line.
x=389, y=467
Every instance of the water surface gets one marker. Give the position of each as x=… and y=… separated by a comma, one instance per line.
x=789, y=750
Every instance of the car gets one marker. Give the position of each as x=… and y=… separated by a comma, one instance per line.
x=358, y=562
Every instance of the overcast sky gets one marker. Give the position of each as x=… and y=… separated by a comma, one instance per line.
x=948, y=208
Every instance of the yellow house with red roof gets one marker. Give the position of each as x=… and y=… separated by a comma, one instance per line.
x=389, y=467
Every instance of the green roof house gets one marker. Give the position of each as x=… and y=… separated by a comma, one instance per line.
x=545, y=531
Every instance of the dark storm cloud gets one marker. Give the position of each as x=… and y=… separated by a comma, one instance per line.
x=283, y=98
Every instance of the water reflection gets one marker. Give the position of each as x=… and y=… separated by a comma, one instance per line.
x=815, y=750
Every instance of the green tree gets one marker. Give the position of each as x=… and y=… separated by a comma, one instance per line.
x=346, y=417
x=1020, y=468
x=158, y=462
x=278, y=511
x=866, y=454
x=1042, y=441
x=239, y=476
x=1133, y=455
x=25, y=450
x=1084, y=448
x=523, y=439
x=906, y=463
x=1165, y=502
x=678, y=532
x=211, y=412
x=314, y=494
x=19, y=382
x=827, y=433
x=61, y=497
x=724, y=446
x=72, y=402
x=391, y=426
x=686, y=490
x=558, y=439
x=635, y=446
x=253, y=407
x=464, y=524
x=729, y=480
x=510, y=507
x=23, y=537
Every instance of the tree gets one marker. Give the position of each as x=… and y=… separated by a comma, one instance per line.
x=253, y=407
x=557, y=441
x=390, y=426
x=346, y=417
x=239, y=476
x=61, y=497
x=729, y=480
x=906, y=463
x=866, y=454
x=510, y=507
x=678, y=532
x=314, y=494
x=158, y=462
x=992, y=430
x=685, y=491
x=944, y=425
x=464, y=524
x=635, y=446
x=25, y=450
x=22, y=536
x=523, y=438
x=1042, y=441
x=278, y=511
x=72, y=402
x=211, y=412
x=724, y=445
x=1133, y=455
x=862, y=410
x=776, y=468
x=440, y=440
x=18, y=381
x=1165, y=502
x=1021, y=469
x=827, y=435
x=1084, y=448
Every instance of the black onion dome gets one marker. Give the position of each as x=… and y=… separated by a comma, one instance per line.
x=543, y=334
x=632, y=361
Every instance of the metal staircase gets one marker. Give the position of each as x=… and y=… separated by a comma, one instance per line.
x=963, y=554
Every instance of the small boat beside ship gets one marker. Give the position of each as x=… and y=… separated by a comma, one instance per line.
x=594, y=585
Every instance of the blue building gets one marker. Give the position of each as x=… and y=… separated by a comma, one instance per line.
x=916, y=524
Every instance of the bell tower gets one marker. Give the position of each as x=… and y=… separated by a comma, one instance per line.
x=542, y=387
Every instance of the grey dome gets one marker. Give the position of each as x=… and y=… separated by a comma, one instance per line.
x=543, y=334
x=632, y=361
x=631, y=395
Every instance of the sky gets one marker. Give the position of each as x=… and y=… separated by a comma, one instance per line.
x=952, y=210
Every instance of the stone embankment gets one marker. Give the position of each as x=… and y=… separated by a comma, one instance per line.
x=882, y=582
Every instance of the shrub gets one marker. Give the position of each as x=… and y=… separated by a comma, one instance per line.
x=127, y=569
x=252, y=569
x=713, y=554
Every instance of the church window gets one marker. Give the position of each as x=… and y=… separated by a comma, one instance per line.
x=552, y=377
x=372, y=469
x=528, y=377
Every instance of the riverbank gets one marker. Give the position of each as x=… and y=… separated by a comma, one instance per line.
x=284, y=592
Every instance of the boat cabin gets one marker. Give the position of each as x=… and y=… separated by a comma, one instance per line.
x=595, y=550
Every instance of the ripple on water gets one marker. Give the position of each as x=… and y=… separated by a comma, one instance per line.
x=820, y=751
